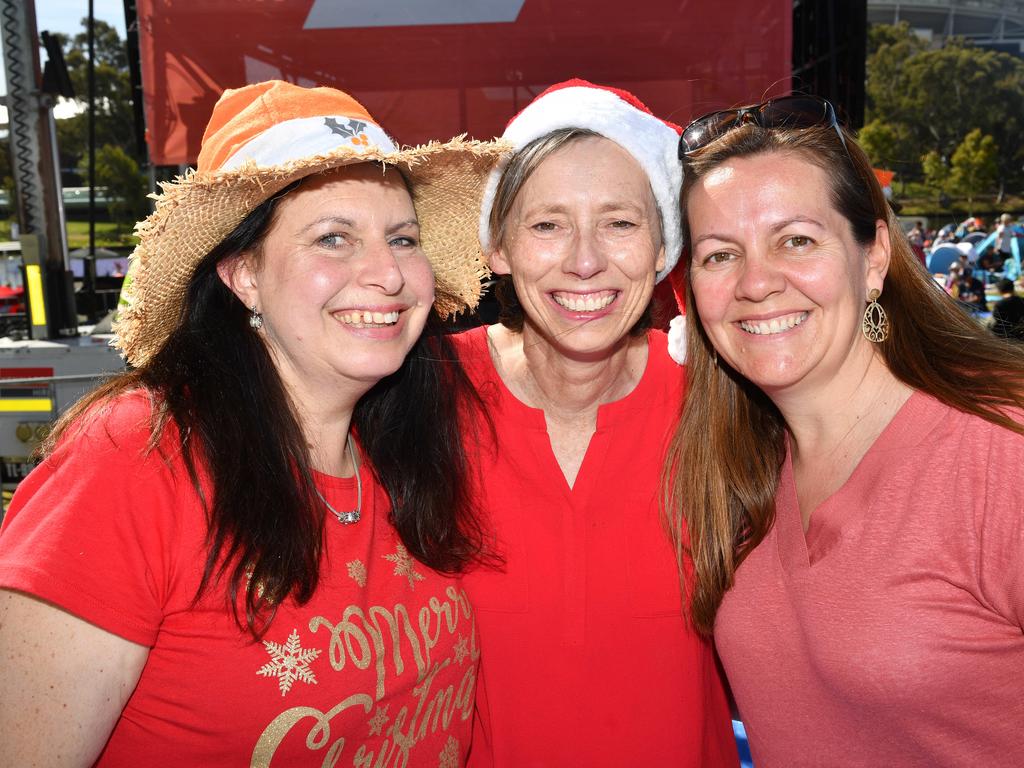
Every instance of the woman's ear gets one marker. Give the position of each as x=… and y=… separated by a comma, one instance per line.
x=239, y=275
x=499, y=262
x=878, y=256
x=659, y=263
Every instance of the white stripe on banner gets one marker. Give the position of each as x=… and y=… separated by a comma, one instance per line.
x=347, y=14
x=308, y=136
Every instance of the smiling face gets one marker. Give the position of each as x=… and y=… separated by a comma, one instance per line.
x=583, y=244
x=779, y=281
x=341, y=281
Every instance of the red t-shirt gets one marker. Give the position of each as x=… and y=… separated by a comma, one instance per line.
x=586, y=660
x=890, y=634
x=379, y=668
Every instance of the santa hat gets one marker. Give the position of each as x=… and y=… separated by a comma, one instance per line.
x=619, y=116
x=677, y=327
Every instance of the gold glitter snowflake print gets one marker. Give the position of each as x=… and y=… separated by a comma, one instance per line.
x=405, y=566
x=289, y=663
x=461, y=649
x=449, y=757
x=379, y=720
x=357, y=572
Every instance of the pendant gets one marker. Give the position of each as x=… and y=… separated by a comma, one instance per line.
x=348, y=517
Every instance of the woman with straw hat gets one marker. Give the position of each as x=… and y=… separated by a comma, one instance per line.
x=240, y=551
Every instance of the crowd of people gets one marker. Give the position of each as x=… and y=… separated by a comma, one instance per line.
x=311, y=525
x=984, y=273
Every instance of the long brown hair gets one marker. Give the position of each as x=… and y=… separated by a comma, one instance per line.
x=725, y=457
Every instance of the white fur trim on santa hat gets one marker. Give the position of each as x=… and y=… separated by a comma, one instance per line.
x=651, y=142
x=677, y=339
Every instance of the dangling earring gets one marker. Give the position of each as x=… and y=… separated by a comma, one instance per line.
x=876, y=323
x=255, y=319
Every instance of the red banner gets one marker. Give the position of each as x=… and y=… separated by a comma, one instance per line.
x=431, y=69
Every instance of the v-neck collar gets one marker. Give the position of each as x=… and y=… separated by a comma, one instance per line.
x=608, y=415
x=848, y=508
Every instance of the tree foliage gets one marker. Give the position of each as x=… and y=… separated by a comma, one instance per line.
x=974, y=167
x=125, y=185
x=936, y=172
x=935, y=97
x=115, y=119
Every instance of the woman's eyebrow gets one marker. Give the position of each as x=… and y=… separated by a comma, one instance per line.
x=325, y=220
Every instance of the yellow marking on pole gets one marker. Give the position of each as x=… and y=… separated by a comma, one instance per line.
x=34, y=404
x=35, y=294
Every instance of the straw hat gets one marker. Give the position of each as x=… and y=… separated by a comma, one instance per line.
x=260, y=139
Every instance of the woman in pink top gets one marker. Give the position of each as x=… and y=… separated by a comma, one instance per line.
x=849, y=459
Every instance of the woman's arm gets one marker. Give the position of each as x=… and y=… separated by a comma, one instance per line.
x=64, y=683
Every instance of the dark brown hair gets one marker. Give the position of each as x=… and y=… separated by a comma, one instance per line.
x=265, y=518
x=725, y=457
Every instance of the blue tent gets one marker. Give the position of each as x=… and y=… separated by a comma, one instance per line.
x=942, y=257
x=1011, y=269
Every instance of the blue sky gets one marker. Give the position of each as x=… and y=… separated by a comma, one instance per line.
x=66, y=16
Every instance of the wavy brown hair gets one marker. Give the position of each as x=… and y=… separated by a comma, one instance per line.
x=724, y=460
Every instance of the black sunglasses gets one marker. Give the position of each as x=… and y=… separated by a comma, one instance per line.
x=783, y=112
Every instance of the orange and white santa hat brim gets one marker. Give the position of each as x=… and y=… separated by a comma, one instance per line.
x=260, y=139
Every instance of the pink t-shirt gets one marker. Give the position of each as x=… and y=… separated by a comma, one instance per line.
x=891, y=633
x=379, y=668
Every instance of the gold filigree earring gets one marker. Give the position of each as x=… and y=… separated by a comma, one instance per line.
x=876, y=323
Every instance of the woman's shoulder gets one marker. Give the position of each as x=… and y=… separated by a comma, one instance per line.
x=471, y=340
x=473, y=350
x=660, y=364
x=122, y=424
x=970, y=433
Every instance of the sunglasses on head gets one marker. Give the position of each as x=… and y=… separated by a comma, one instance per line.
x=783, y=112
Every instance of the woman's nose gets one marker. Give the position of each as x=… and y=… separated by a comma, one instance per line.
x=586, y=256
x=381, y=269
x=759, y=278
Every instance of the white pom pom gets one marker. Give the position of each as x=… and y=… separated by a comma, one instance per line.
x=677, y=339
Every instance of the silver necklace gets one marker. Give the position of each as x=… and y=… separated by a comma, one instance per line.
x=348, y=517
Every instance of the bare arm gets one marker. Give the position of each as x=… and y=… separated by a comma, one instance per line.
x=64, y=683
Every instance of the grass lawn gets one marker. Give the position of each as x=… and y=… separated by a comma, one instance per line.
x=107, y=235
x=917, y=200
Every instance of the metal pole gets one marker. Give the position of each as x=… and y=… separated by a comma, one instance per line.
x=36, y=176
x=92, y=135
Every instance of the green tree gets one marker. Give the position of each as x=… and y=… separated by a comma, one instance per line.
x=936, y=172
x=115, y=118
x=888, y=146
x=937, y=96
x=974, y=166
x=125, y=186
x=889, y=48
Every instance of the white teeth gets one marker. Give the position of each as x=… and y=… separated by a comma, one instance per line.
x=775, y=325
x=367, y=319
x=589, y=303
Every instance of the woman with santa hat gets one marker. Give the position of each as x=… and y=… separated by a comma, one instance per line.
x=585, y=656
